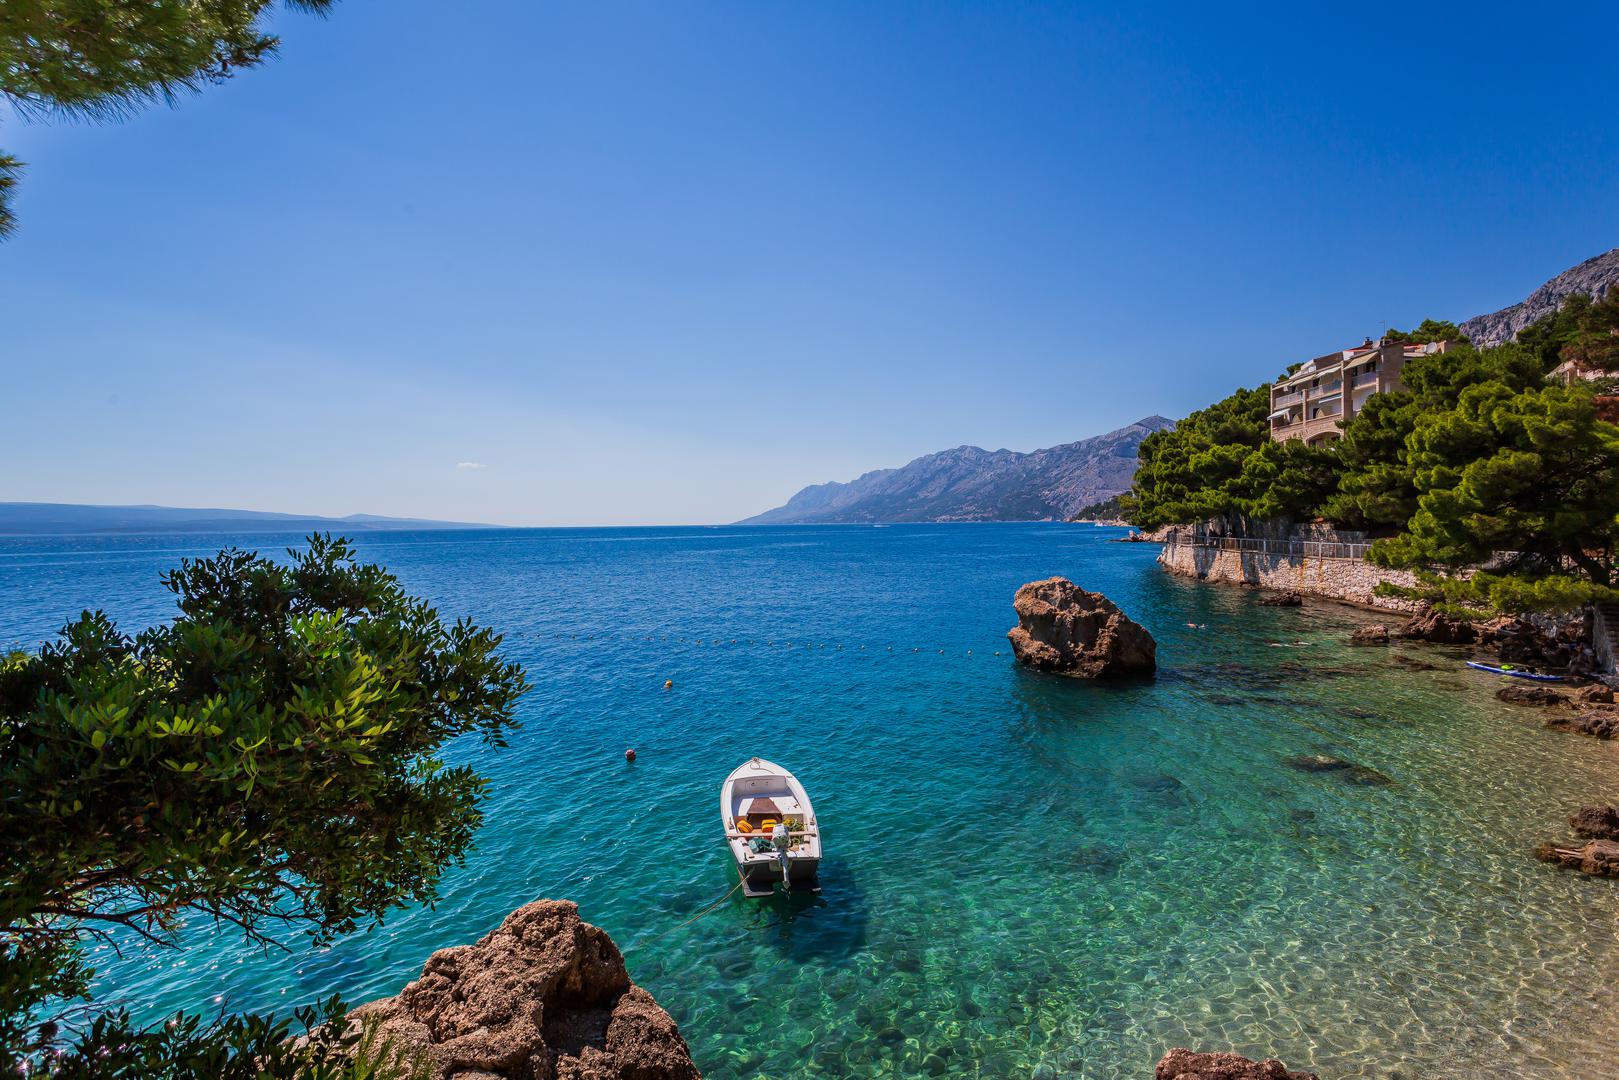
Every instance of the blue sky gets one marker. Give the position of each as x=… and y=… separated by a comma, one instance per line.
x=670, y=262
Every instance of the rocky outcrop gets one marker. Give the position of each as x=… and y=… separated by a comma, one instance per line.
x=1181, y=1064
x=1291, y=598
x=1595, y=822
x=1594, y=694
x=1064, y=629
x=1530, y=694
x=543, y=997
x=1555, y=642
x=1599, y=857
x=1439, y=628
x=1376, y=634
x=1598, y=723
x=1594, y=277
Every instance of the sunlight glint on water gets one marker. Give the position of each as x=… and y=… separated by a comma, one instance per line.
x=1025, y=876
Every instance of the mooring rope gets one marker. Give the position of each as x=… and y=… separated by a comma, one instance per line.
x=688, y=922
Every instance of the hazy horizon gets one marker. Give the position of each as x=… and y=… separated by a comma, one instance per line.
x=644, y=265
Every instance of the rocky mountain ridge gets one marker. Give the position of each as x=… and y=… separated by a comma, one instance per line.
x=970, y=483
x=1594, y=277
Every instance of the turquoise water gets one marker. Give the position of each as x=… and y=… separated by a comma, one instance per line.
x=1025, y=876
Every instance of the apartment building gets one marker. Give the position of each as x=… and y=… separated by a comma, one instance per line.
x=1314, y=402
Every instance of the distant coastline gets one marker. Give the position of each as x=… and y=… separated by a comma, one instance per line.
x=75, y=519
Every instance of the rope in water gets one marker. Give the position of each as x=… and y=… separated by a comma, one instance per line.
x=691, y=920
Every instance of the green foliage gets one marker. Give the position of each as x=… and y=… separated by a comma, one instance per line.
x=1529, y=472
x=270, y=759
x=1594, y=341
x=1477, y=463
x=1430, y=330
x=1377, y=490
x=1195, y=470
x=317, y=1043
x=105, y=58
x=1107, y=510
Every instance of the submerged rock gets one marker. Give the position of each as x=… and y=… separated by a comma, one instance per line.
x=1442, y=629
x=1181, y=1064
x=1064, y=629
x=543, y=997
x=1595, y=822
x=1598, y=723
x=1291, y=598
x=1530, y=694
x=1600, y=857
x=1353, y=773
x=1376, y=634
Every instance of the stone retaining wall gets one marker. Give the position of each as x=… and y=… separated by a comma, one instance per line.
x=1349, y=580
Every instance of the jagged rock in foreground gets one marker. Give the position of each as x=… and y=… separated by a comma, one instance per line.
x=1181, y=1064
x=1442, y=629
x=1291, y=598
x=1599, y=857
x=1064, y=629
x=1375, y=634
x=1598, y=723
x=543, y=997
x=1595, y=822
x=1594, y=694
x=1519, y=694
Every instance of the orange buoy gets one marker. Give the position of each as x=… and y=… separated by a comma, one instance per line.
x=668, y=684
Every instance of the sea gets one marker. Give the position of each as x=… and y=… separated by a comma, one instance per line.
x=1025, y=875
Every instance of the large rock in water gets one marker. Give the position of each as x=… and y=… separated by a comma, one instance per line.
x=1064, y=629
x=543, y=997
x=1181, y=1064
x=1442, y=629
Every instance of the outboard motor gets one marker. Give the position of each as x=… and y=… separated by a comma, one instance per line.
x=782, y=839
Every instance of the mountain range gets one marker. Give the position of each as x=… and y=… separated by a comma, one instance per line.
x=1594, y=277
x=63, y=519
x=973, y=484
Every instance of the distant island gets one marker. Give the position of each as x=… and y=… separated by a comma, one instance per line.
x=67, y=519
x=973, y=484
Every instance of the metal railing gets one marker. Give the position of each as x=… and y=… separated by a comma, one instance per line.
x=1292, y=397
x=1365, y=378
x=1312, y=549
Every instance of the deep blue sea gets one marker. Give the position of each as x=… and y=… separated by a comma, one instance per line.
x=1026, y=876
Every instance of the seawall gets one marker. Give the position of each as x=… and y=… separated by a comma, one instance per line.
x=1351, y=580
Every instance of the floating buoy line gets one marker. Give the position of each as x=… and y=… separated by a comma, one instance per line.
x=697, y=642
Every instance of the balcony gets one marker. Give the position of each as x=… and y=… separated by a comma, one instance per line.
x=1325, y=389
x=1365, y=378
x=1292, y=397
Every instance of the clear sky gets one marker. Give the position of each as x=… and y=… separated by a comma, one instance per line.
x=670, y=262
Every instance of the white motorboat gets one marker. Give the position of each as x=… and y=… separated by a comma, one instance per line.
x=770, y=827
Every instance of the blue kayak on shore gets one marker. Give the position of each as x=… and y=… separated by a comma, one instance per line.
x=1514, y=672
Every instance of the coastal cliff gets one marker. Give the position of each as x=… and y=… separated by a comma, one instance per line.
x=545, y=996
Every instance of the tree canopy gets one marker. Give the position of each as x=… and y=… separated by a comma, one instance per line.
x=269, y=759
x=1478, y=460
x=105, y=58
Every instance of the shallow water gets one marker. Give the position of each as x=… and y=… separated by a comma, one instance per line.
x=1025, y=875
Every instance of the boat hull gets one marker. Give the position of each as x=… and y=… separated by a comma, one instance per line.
x=1534, y=675
x=761, y=877
x=757, y=800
